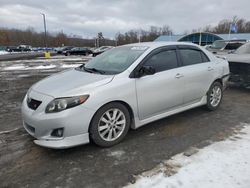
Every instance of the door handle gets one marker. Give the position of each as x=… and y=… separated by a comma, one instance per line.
x=210, y=68
x=178, y=75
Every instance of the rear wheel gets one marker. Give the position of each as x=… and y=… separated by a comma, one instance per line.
x=214, y=96
x=110, y=124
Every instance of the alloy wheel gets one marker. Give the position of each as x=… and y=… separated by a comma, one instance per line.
x=215, y=96
x=111, y=124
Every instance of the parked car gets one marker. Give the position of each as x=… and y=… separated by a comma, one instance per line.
x=20, y=48
x=65, y=48
x=125, y=87
x=25, y=48
x=101, y=50
x=239, y=64
x=77, y=51
x=225, y=46
x=11, y=49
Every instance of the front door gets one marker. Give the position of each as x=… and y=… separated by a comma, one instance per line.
x=161, y=91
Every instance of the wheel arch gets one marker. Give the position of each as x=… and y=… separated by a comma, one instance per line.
x=131, y=113
x=219, y=80
x=216, y=80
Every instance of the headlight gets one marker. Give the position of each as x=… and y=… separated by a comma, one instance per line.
x=61, y=104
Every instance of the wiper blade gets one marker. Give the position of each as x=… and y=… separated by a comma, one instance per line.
x=92, y=70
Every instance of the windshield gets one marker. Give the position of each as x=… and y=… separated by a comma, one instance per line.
x=244, y=49
x=218, y=44
x=115, y=60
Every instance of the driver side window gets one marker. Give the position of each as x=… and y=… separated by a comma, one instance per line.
x=163, y=60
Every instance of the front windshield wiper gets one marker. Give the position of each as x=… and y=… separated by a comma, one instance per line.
x=92, y=70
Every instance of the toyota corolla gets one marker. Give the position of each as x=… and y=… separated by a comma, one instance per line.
x=125, y=87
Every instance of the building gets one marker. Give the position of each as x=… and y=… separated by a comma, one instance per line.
x=203, y=38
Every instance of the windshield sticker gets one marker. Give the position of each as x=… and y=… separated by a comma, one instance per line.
x=139, y=48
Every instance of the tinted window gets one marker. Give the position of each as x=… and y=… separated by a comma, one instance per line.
x=164, y=60
x=190, y=57
x=204, y=57
x=233, y=46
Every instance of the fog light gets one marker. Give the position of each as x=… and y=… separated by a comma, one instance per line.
x=57, y=132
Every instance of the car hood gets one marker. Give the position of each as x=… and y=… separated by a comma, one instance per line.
x=240, y=58
x=70, y=83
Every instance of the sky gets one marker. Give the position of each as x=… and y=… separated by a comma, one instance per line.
x=86, y=18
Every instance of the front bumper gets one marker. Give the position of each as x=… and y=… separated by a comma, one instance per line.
x=75, y=123
x=66, y=142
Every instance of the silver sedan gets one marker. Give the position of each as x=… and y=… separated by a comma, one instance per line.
x=125, y=87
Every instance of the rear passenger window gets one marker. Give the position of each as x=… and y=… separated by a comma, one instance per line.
x=162, y=61
x=191, y=57
x=204, y=57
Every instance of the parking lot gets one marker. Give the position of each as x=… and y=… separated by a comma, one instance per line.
x=22, y=164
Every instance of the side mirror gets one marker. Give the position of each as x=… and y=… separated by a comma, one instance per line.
x=145, y=70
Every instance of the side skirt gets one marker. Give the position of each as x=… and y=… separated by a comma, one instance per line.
x=139, y=123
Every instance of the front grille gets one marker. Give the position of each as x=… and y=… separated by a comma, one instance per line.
x=33, y=104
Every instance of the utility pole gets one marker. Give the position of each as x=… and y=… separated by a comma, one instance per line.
x=45, y=31
x=139, y=35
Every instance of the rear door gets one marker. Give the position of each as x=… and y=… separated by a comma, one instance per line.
x=198, y=72
x=163, y=90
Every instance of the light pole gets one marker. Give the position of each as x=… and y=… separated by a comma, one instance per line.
x=45, y=31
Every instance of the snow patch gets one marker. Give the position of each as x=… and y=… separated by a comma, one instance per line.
x=23, y=75
x=70, y=65
x=15, y=67
x=42, y=67
x=116, y=154
x=3, y=52
x=22, y=67
x=222, y=164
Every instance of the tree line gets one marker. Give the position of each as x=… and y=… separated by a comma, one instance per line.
x=15, y=37
x=141, y=35
x=243, y=26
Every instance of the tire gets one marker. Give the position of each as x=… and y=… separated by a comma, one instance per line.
x=214, y=96
x=102, y=128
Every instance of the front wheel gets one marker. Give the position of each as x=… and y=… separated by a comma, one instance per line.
x=214, y=96
x=110, y=124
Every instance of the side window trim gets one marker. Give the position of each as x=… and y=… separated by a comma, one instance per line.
x=152, y=53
